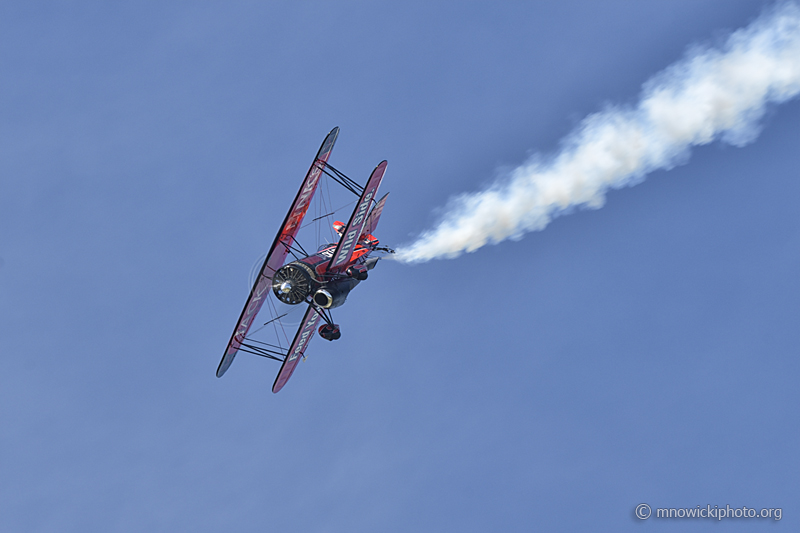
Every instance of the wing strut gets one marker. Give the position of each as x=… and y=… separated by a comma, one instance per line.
x=269, y=353
x=340, y=178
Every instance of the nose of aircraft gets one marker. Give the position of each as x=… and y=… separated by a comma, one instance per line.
x=286, y=286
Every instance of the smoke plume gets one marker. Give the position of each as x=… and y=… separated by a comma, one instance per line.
x=713, y=93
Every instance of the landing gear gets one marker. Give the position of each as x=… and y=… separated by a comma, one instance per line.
x=330, y=332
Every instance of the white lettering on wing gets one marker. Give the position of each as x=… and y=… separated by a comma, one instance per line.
x=302, y=206
x=356, y=224
x=304, y=337
x=252, y=308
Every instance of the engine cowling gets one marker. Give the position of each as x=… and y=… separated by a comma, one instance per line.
x=292, y=283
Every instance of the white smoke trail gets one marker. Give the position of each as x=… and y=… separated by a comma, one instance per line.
x=710, y=94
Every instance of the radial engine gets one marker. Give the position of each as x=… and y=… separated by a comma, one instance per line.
x=295, y=282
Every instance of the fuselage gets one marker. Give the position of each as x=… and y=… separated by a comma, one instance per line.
x=311, y=279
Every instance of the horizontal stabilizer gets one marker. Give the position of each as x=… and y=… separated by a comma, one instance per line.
x=374, y=217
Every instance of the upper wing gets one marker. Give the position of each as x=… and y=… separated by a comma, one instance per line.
x=344, y=250
x=297, y=349
x=277, y=253
x=374, y=216
x=291, y=224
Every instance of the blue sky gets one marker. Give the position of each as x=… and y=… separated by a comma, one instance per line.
x=643, y=352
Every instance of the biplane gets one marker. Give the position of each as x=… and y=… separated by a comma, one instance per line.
x=319, y=281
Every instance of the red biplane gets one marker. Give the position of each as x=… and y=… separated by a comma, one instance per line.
x=320, y=281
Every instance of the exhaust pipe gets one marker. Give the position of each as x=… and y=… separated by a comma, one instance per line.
x=323, y=299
